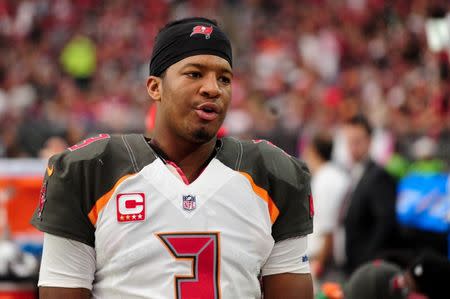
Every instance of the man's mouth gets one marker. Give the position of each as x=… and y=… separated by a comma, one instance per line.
x=208, y=111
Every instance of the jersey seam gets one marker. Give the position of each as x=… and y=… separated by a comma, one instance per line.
x=294, y=234
x=155, y=155
x=239, y=157
x=130, y=153
x=51, y=229
x=142, y=138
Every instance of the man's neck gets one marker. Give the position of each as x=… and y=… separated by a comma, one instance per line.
x=361, y=162
x=190, y=157
x=316, y=165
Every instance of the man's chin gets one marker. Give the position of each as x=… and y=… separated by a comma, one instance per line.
x=202, y=135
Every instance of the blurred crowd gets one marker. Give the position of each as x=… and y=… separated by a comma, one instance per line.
x=303, y=71
x=72, y=68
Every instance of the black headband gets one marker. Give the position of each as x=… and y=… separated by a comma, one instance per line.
x=182, y=40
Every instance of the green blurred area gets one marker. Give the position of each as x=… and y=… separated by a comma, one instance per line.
x=398, y=166
x=78, y=58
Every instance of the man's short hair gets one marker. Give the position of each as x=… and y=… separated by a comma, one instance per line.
x=323, y=146
x=360, y=120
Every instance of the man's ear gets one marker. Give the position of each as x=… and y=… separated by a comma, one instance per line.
x=154, y=87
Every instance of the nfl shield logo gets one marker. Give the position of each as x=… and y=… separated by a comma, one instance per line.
x=189, y=202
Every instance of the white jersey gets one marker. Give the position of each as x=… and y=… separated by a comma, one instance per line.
x=157, y=237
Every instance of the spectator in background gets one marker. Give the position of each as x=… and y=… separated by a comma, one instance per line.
x=426, y=277
x=368, y=213
x=429, y=274
x=329, y=185
x=376, y=280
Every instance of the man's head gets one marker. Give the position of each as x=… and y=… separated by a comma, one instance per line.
x=319, y=151
x=190, y=79
x=375, y=280
x=358, y=133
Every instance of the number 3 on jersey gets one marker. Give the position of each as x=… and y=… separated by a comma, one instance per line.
x=203, y=250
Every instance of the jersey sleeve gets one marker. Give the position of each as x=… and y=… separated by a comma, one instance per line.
x=67, y=194
x=66, y=263
x=288, y=256
x=289, y=183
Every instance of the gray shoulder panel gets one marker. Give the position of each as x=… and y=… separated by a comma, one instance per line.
x=79, y=176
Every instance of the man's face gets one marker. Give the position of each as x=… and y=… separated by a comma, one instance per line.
x=358, y=141
x=195, y=95
x=310, y=156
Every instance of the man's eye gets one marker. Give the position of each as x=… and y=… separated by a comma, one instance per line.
x=225, y=80
x=194, y=74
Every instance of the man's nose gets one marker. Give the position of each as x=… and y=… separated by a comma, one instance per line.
x=210, y=87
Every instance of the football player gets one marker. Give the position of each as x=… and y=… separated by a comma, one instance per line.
x=184, y=214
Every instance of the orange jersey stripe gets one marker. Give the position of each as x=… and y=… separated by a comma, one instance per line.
x=103, y=200
x=261, y=192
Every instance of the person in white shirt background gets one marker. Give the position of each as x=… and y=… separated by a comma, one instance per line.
x=329, y=186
